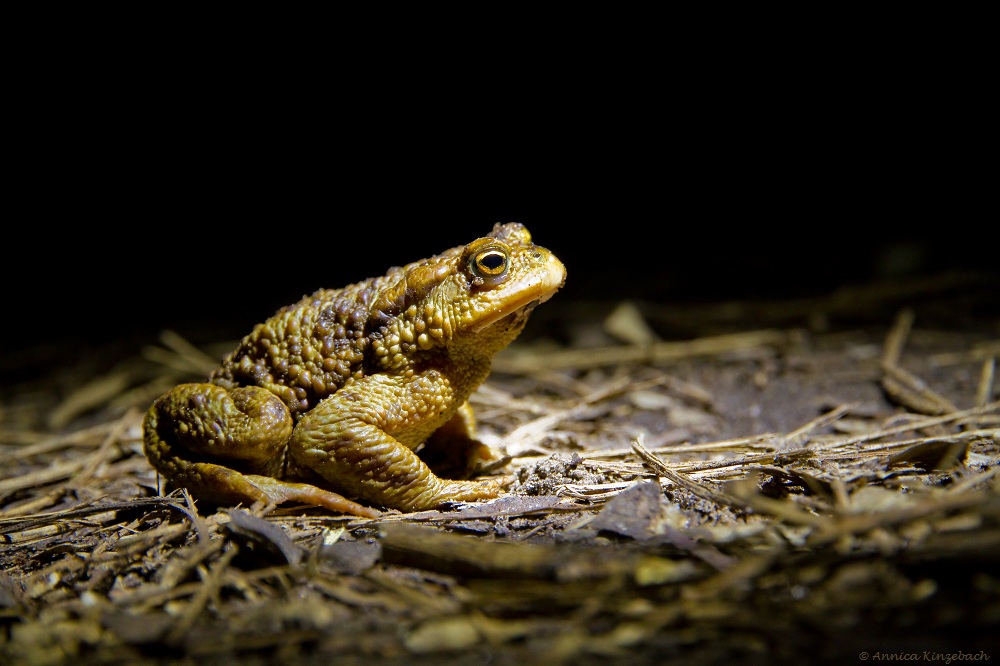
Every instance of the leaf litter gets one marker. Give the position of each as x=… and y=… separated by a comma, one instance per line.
x=743, y=494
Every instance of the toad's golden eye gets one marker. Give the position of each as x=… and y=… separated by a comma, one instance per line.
x=490, y=264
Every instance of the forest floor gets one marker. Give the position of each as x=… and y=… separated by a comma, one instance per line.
x=807, y=481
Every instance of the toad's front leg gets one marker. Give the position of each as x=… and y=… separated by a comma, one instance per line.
x=360, y=441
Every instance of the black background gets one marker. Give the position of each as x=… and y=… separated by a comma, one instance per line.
x=122, y=225
x=122, y=256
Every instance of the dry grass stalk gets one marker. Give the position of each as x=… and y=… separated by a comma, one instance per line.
x=514, y=362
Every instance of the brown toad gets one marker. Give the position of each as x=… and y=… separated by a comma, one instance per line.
x=335, y=393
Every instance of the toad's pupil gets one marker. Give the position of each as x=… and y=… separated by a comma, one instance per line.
x=492, y=261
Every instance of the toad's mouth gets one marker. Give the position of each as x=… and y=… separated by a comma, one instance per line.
x=519, y=317
x=512, y=314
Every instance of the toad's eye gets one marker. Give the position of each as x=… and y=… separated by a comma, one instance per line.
x=490, y=264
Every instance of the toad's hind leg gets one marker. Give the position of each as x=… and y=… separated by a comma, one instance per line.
x=229, y=446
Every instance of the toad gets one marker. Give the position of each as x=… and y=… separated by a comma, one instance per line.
x=334, y=397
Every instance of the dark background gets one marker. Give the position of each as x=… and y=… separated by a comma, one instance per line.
x=189, y=190
x=119, y=254
x=124, y=220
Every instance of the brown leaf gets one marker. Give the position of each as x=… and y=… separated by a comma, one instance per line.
x=633, y=513
x=261, y=531
x=933, y=455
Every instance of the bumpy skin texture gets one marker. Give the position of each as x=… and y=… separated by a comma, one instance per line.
x=331, y=396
